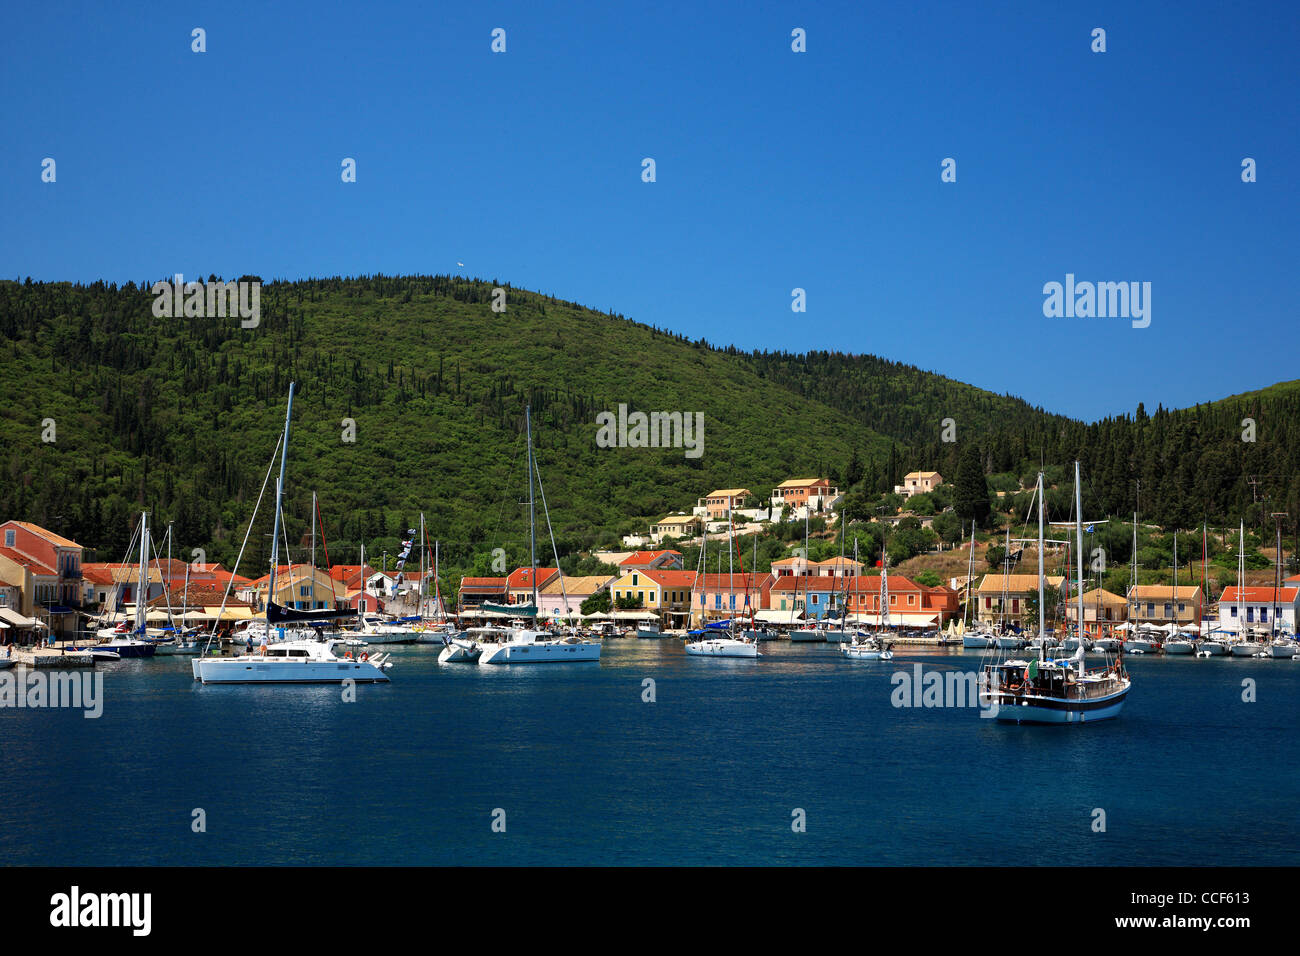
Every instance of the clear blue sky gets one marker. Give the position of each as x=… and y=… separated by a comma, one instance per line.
x=775, y=170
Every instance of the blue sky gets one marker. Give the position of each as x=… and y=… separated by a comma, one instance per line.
x=775, y=170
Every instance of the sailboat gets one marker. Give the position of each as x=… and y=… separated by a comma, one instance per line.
x=120, y=640
x=718, y=638
x=878, y=646
x=297, y=660
x=810, y=631
x=525, y=644
x=1061, y=691
x=1246, y=644
x=972, y=635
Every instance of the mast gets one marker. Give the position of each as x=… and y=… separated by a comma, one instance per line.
x=1173, y=606
x=1078, y=534
x=313, y=547
x=1042, y=613
x=361, y=607
x=970, y=573
x=532, y=521
x=1241, y=577
x=142, y=589
x=731, y=572
x=279, y=494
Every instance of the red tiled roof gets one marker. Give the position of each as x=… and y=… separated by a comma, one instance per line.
x=743, y=581
x=50, y=536
x=35, y=566
x=666, y=578
x=523, y=577
x=497, y=585
x=1261, y=595
x=645, y=557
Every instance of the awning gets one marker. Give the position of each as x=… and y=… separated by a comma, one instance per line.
x=635, y=616
x=60, y=609
x=10, y=616
x=899, y=619
x=769, y=616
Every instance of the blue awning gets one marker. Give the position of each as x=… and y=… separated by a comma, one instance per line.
x=60, y=609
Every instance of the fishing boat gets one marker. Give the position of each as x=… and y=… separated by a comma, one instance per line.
x=529, y=644
x=1054, y=691
x=294, y=660
x=649, y=629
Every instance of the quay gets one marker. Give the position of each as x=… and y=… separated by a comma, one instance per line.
x=51, y=657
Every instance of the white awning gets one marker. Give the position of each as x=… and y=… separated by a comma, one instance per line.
x=900, y=619
x=10, y=616
x=635, y=616
x=770, y=616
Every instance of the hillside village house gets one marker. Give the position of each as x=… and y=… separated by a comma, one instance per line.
x=991, y=607
x=676, y=526
x=816, y=494
x=1158, y=604
x=725, y=595
x=562, y=598
x=51, y=589
x=1241, y=608
x=717, y=504
x=918, y=483
x=666, y=593
x=1102, y=611
x=646, y=560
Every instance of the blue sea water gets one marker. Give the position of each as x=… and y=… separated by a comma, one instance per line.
x=711, y=772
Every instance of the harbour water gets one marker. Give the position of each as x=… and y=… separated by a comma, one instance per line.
x=711, y=772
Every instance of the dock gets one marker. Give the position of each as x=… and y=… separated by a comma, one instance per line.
x=51, y=658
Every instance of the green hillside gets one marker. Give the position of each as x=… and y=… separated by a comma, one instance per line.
x=180, y=416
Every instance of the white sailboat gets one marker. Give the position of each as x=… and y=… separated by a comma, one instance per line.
x=295, y=661
x=531, y=645
x=1247, y=643
x=718, y=639
x=878, y=646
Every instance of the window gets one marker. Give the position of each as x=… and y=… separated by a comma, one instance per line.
x=1233, y=611
x=635, y=580
x=304, y=590
x=9, y=537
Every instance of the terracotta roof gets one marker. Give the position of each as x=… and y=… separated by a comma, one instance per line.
x=1162, y=592
x=577, y=586
x=35, y=566
x=992, y=583
x=668, y=579
x=487, y=584
x=196, y=597
x=744, y=581
x=49, y=536
x=523, y=577
x=727, y=492
x=921, y=474
x=804, y=482
x=1262, y=595
x=645, y=557
x=1099, y=596
x=679, y=519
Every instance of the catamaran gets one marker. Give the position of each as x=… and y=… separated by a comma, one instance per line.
x=531, y=645
x=295, y=661
x=1061, y=691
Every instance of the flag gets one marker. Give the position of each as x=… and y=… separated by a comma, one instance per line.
x=880, y=562
x=1032, y=670
x=1089, y=529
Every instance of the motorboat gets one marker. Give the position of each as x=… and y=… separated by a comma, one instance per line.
x=529, y=646
x=293, y=662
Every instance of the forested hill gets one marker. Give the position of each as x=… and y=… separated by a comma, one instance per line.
x=180, y=416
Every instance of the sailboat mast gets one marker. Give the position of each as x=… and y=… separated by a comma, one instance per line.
x=1042, y=612
x=142, y=589
x=279, y=493
x=731, y=571
x=1078, y=535
x=313, y=547
x=532, y=521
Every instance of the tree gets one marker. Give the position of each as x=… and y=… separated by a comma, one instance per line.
x=971, y=496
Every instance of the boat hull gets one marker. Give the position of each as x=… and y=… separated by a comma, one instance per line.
x=1055, y=710
x=1141, y=647
x=459, y=654
x=866, y=653
x=1246, y=649
x=539, y=653
x=1212, y=649
x=1180, y=647
x=722, y=648
x=808, y=636
x=975, y=641
x=248, y=670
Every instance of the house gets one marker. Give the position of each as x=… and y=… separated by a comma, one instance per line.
x=474, y=591
x=666, y=592
x=563, y=596
x=859, y=598
x=1159, y=604
x=53, y=586
x=809, y=595
x=1264, y=608
x=1102, y=611
x=519, y=583
x=645, y=560
x=298, y=587
x=796, y=566
x=204, y=604
x=803, y=495
x=992, y=607
x=918, y=483
x=725, y=595
x=717, y=504
x=676, y=526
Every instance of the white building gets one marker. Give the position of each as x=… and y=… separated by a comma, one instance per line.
x=1255, y=607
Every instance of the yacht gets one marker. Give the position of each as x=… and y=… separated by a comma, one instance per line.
x=868, y=647
x=1054, y=691
x=293, y=662
x=465, y=648
x=718, y=640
